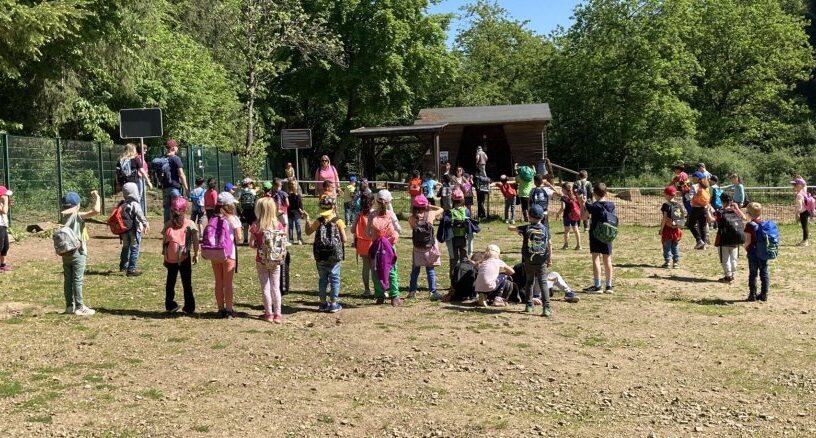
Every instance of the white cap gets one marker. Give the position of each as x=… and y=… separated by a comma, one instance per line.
x=225, y=198
x=493, y=248
x=384, y=196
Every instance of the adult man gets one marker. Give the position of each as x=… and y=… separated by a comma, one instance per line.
x=174, y=180
x=481, y=161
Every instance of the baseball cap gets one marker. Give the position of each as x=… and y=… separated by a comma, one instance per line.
x=353, y=179
x=228, y=186
x=225, y=198
x=172, y=143
x=670, y=191
x=384, y=196
x=267, y=185
x=536, y=211
x=70, y=199
x=5, y=191
x=178, y=204
x=246, y=181
x=698, y=175
x=799, y=180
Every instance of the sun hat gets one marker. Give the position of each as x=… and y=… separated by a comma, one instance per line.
x=225, y=198
x=799, y=181
x=493, y=248
x=457, y=195
x=536, y=211
x=70, y=200
x=420, y=201
x=384, y=196
x=172, y=143
x=670, y=191
x=179, y=204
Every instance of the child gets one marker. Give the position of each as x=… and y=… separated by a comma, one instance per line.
x=554, y=280
x=698, y=217
x=246, y=201
x=730, y=236
x=5, y=206
x=426, y=248
x=457, y=230
x=739, y=190
x=584, y=190
x=801, y=206
x=362, y=242
x=445, y=193
x=73, y=263
x=211, y=198
x=540, y=195
x=491, y=278
x=328, y=251
x=180, y=246
x=716, y=193
x=197, y=200
x=229, y=188
x=267, y=236
x=670, y=228
x=429, y=186
x=524, y=178
x=381, y=224
x=756, y=265
x=536, y=257
x=348, y=198
x=290, y=171
x=294, y=212
x=224, y=221
x=131, y=241
x=328, y=189
x=509, y=194
x=467, y=190
x=414, y=185
x=600, y=250
x=282, y=200
x=571, y=210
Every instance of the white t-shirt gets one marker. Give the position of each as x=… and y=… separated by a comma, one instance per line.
x=235, y=224
x=489, y=271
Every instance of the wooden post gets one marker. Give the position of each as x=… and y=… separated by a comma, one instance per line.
x=437, y=164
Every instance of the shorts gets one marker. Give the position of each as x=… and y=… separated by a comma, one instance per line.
x=198, y=216
x=598, y=247
x=568, y=223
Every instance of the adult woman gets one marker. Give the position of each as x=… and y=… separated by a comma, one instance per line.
x=131, y=168
x=326, y=172
x=802, y=212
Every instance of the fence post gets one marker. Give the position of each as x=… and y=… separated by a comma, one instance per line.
x=190, y=168
x=6, y=169
x=232, y=166
x=59, y=174
x=266, y=166
x=218, y=167
x=101, y=175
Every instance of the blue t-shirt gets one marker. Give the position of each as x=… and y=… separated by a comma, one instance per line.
x=595, y=210
x=175, y=164
x=197, y=198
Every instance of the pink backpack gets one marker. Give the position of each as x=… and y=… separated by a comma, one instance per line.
x=217, y=245
x=810, y=203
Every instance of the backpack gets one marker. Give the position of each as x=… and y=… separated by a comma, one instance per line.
x=462, y=281
x=607, y=230
x=483, y=184
x=459, y=222
x=272, y=250
x=124, y=171
x=177, y=243
x=677, y=215
x=327, y=244
x=160, y=166
x=540, y=197
x=767, y=240
x=216, y=244
x=383, y=259
x=730, y=229
x=197, y=199
x=716, y=202
x=508, y=191
x=415, y=187
x=423, y=234
x=538, y=243
x=121, y=219
x=246, y=201
x=575, y=209
x=65, y=239
x=526, y=173
x=581, y=187
x=702, y=197
x=427, y=189
x=810, y=203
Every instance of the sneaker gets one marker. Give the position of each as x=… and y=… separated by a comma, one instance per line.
x=566, y=246
x=277, y=319
x=335, y=307
x=578, y=248
x=222, y=314
x=536, y=301
x=592, y=290
x=84, y=311
x=676, y=265
x=609, y=290
x=435, y=296
x=380, y=301
x=6, y=268
x=547, y=312
x=529, y=308
x=762, y=297
x=268, y=317
x=69, y=310
x=300, y=242
x=133, y=273
x=700, y=245
x=803, y=243
x=396, y=301
x=513, y=222
x=367, y=294
x=231, y=314
x=570, y=297
x=725, y=279
x=498, y=302
x=190, y=313
x=751, y=297
x=323, y=307
x=665, y=265
x=175, y=309
x=411, y=294
x=506, y=221
x=481, y=300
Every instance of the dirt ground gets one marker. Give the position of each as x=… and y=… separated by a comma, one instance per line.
x=671, y=353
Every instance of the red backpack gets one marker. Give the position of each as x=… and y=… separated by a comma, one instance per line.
x=415, y=187
x=575, y=209
x=119, y=221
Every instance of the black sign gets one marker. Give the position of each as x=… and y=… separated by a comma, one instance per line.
x=141, y=123
x=296, y=138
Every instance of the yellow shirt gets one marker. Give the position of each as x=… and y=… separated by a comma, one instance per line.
x=348, y=194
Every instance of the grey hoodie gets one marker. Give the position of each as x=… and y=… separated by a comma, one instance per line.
x=130, y=191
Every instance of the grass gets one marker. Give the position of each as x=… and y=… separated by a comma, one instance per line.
x=10, y=388
x=152, y=393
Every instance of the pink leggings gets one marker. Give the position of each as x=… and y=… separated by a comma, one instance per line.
x=223, y=283
x=270, y=287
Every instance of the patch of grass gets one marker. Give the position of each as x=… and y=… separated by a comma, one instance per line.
x=218, y=346
x=203, y=428
x=522, y=345
x=10, y=388
x=92, y=378
x=177, y=340
x=152, y=393
x=13, y=321
x=325, y=418
x=595, y=341
x=38, y=400
x=134, y=361
x=45, y=419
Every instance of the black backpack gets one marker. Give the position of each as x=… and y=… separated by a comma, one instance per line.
x=539, y=196
x=483, y=184
x=125, y=172
x=327, y=244
x=247, y=201
x=423, y=234
x=538, y=242
x=731, y=229
x=462, y=282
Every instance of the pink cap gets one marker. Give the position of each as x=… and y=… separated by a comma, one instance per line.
x=799, y=181
x=179, y=204
x=420, y=201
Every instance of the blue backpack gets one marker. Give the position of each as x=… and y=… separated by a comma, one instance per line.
x=161, y=168
x=716, y=200
x=767, y=240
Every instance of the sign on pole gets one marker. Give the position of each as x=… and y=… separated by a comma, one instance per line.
x=296, y=139
x=141, y=123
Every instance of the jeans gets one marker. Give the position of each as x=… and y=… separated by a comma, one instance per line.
x=757, y=266
x=184, y=268
x=131, y=242
x=270, y=288
x=328, y=273
x=804, y=218
x=294, y=225
x=348, y=212
x=142, y=194
x=429, y=271
x=73, y=272
x=671, y=251
x=728, y=259
x=697, y=223
x=393, y=285
x=536, y=274
x=167, y=197
x=480, y=199
x=510, y=209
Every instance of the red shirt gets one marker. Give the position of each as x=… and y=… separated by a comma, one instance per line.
x=210, y=199
x=750, y=231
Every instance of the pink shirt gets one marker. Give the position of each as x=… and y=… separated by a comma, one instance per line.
x=489, y=271
x=327, y=174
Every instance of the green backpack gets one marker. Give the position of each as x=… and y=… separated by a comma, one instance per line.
x=526, y=173
x=607, y=230
x=459, y=221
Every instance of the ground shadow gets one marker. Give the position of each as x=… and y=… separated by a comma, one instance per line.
x=708, y=301
x=106, y=273
x=634, y=265
x=462, y=307
x=688, y=279
x=157, y=314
